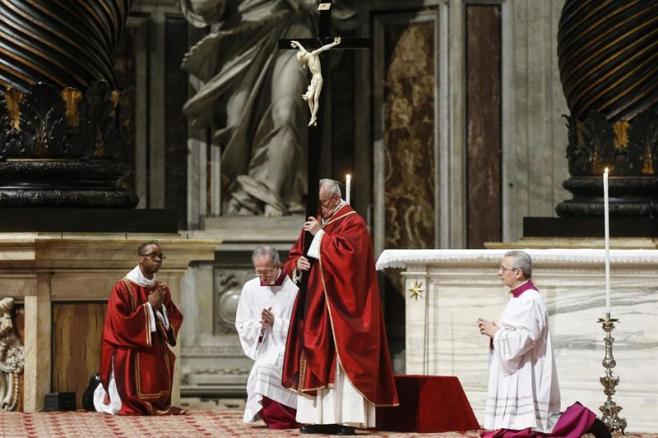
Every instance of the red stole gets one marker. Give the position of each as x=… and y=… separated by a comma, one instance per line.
x=342, y=318
x=143, y=362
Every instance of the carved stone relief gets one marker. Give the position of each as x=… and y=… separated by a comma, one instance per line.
x=228, y=286
x=11, y=358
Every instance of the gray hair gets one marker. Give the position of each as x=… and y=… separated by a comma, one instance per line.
x=522, y=261
x=330, y=186
x=266, y=250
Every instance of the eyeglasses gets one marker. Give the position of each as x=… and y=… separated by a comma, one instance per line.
x=265, y=272
x=325, y=202
x=503, y=268
x=154, y=256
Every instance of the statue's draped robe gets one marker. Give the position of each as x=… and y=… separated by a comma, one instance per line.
x=139, y=359
x=337, y=330
x=251, y=96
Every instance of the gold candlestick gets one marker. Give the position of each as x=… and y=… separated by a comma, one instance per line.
x=609, y=408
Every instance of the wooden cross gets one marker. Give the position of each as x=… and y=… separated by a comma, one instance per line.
x=315, y=134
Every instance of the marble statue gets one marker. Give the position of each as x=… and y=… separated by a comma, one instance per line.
x=312, y=60
x=249, y=97
x=11, y=358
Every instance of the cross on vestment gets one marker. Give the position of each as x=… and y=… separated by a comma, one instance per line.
x=315, y=131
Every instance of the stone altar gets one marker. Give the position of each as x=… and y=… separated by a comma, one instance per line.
x=447, y=290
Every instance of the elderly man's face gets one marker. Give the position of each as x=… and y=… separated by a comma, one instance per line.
x=265, y=269
x=509, y=273
x=327, y=202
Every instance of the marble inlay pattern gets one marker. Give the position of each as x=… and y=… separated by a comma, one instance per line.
x=442, y=338
x=410, y=160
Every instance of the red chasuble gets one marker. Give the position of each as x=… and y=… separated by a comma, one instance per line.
x=143, y=361
x=342, y=317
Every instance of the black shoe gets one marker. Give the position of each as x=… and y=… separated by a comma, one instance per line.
x=599, y=429
x=88, y=395
x=328, y=429
x=345, y=430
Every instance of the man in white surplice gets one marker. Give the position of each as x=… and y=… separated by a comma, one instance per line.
x=262, y=321
x=524, y=394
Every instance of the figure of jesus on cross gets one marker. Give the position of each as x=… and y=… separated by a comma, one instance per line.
x=337, y=357
x=312, y=60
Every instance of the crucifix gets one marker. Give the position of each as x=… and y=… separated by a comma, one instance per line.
x=310, y=50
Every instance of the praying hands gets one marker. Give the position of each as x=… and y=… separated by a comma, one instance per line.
x=267, y=317
x=488, y=328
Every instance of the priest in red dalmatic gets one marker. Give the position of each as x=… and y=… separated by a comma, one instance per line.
x=137, y=364
x=337, y=356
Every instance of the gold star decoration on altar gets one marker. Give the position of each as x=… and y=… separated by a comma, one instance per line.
x=416, y=290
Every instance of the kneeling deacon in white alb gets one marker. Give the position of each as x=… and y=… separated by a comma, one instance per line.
x=262, y=321
x=524, y=395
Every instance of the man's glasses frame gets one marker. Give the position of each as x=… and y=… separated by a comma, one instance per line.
x=268, y=272
x=154, y=256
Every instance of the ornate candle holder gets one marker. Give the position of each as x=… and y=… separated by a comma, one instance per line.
x=609, y=408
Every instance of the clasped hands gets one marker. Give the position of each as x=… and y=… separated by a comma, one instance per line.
x=488, y=328
x=156, y=297
x=267, y=317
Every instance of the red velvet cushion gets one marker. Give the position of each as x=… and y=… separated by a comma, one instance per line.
x=428, y=404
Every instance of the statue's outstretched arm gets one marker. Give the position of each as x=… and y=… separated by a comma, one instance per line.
x=297, y=45
x=326, y=47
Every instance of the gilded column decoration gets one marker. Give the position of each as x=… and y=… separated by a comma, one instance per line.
x=11, y=358
x=608, y=60
x=60, y=107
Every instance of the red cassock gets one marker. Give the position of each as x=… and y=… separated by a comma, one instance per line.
x=143, y=361
x=342, y=316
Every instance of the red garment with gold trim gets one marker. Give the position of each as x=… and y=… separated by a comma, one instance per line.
x=342, y=316
x=143, y=361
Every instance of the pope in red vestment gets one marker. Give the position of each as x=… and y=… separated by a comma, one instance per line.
x=340, y=316
x=140, y=326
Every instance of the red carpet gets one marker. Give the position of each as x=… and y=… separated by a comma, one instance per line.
x=195, y=424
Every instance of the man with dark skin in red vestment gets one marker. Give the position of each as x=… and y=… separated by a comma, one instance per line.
x=137, y=364
x=337, y=356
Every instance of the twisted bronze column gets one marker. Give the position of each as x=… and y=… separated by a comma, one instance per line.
x=608, y=60
x=60, y=142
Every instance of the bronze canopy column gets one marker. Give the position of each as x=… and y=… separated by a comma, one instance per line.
x=60, y=138
x=608, y=56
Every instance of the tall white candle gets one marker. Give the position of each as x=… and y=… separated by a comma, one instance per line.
x=606, y=214
x=348, y=187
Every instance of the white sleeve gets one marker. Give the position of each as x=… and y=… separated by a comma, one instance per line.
x=151, y=317
x=512, y=342
x=314, y=249
x=282, y=321
x=162, y=316
x=248, y=326
x=280, y=328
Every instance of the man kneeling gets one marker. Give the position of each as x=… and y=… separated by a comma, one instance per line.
x=524, y=395
x=262, y=321
x=137, y=365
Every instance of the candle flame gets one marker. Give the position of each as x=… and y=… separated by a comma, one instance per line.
x=605, y=170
